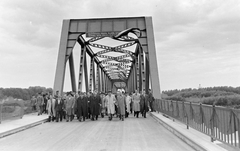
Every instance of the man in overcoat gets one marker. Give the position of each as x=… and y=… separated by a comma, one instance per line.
x=121, y=103
x=136, y=103
x=69, y=106
x=94, y=105
x=110, y=104
x=82, y=106
x=151, y=100
x=144, y=104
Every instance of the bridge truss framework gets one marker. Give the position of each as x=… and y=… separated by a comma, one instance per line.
x=132, y=69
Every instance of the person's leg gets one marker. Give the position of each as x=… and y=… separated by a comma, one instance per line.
x=57, y=116
x=61, y=115
x=151, y=106
x=49, y=118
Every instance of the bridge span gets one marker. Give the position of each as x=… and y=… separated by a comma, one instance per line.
x=132, y=134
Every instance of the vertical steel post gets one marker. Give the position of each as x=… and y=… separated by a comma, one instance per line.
x=81, y=67
x=72, y=73
x=139, y=67
x=142, y=70
x=91, y=75
x=98, y=79
x=1, y=113
x=94, y=76
x=147, y=74
x=155, y=84
x=61, y=62
x=137, y=73
x=106, y=82
x=212, y=125
x=86, y=73
x=103, y=81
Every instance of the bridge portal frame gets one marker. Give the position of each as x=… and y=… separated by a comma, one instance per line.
x=72, y=31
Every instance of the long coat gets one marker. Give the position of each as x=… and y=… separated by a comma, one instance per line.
x=128, y=102
x=82, y=106
x=69, y=104
x=53, y=106
x=103, y=104
x=144, y=103
x=94, y=104
x=136, y=102
x=49, y=107
x=121, y=103
x=110, y=102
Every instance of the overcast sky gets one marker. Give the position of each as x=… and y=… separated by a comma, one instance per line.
x=197, y=41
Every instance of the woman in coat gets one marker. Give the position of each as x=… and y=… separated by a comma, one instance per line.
x=136, y=103
x=53, y=108
x=49, y=108
x=128, y=102
x=110, y=103
x=121, y=103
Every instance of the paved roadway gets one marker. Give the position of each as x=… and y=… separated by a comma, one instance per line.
x=130, y=135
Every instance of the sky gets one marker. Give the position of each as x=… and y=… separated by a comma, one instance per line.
x=197, y=41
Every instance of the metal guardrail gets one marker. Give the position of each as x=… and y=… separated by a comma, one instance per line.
x=11, y=109
x=220, y=123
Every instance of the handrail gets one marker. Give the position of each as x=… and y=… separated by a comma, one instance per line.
x=220, y=123
x=11, y=109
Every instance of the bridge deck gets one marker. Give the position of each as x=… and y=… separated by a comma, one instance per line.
x=102, y=135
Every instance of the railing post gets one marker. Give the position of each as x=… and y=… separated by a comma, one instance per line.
x=212, y=125
x=1, y=113
x=191, y=112
x=172, y=110
x=238, y=131
x=185, y=114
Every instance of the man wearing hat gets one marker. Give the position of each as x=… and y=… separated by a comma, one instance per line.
x=150, y=99
x=69, y=106
x=110, y=103
x=82, y=105
x=59, y=107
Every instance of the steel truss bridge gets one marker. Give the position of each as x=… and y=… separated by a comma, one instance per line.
x=128, y=60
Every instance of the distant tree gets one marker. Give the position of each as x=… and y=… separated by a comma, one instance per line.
x=24, y=94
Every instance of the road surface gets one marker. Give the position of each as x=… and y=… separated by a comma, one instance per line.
x=132, y=134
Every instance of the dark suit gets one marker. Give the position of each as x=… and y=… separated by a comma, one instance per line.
x=151, y=100
x=94, y=106
x=144, y=104
x=82, y=107
x=59, y=109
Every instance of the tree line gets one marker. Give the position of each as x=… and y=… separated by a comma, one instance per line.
x=222, y=96
x=23, y=93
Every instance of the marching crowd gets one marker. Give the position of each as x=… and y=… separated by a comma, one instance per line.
x=91, y=105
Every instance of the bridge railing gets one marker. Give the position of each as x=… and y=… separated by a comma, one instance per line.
x=220, y=123
x=11, y=109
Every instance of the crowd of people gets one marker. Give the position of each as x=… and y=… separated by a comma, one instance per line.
x=92, y=105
